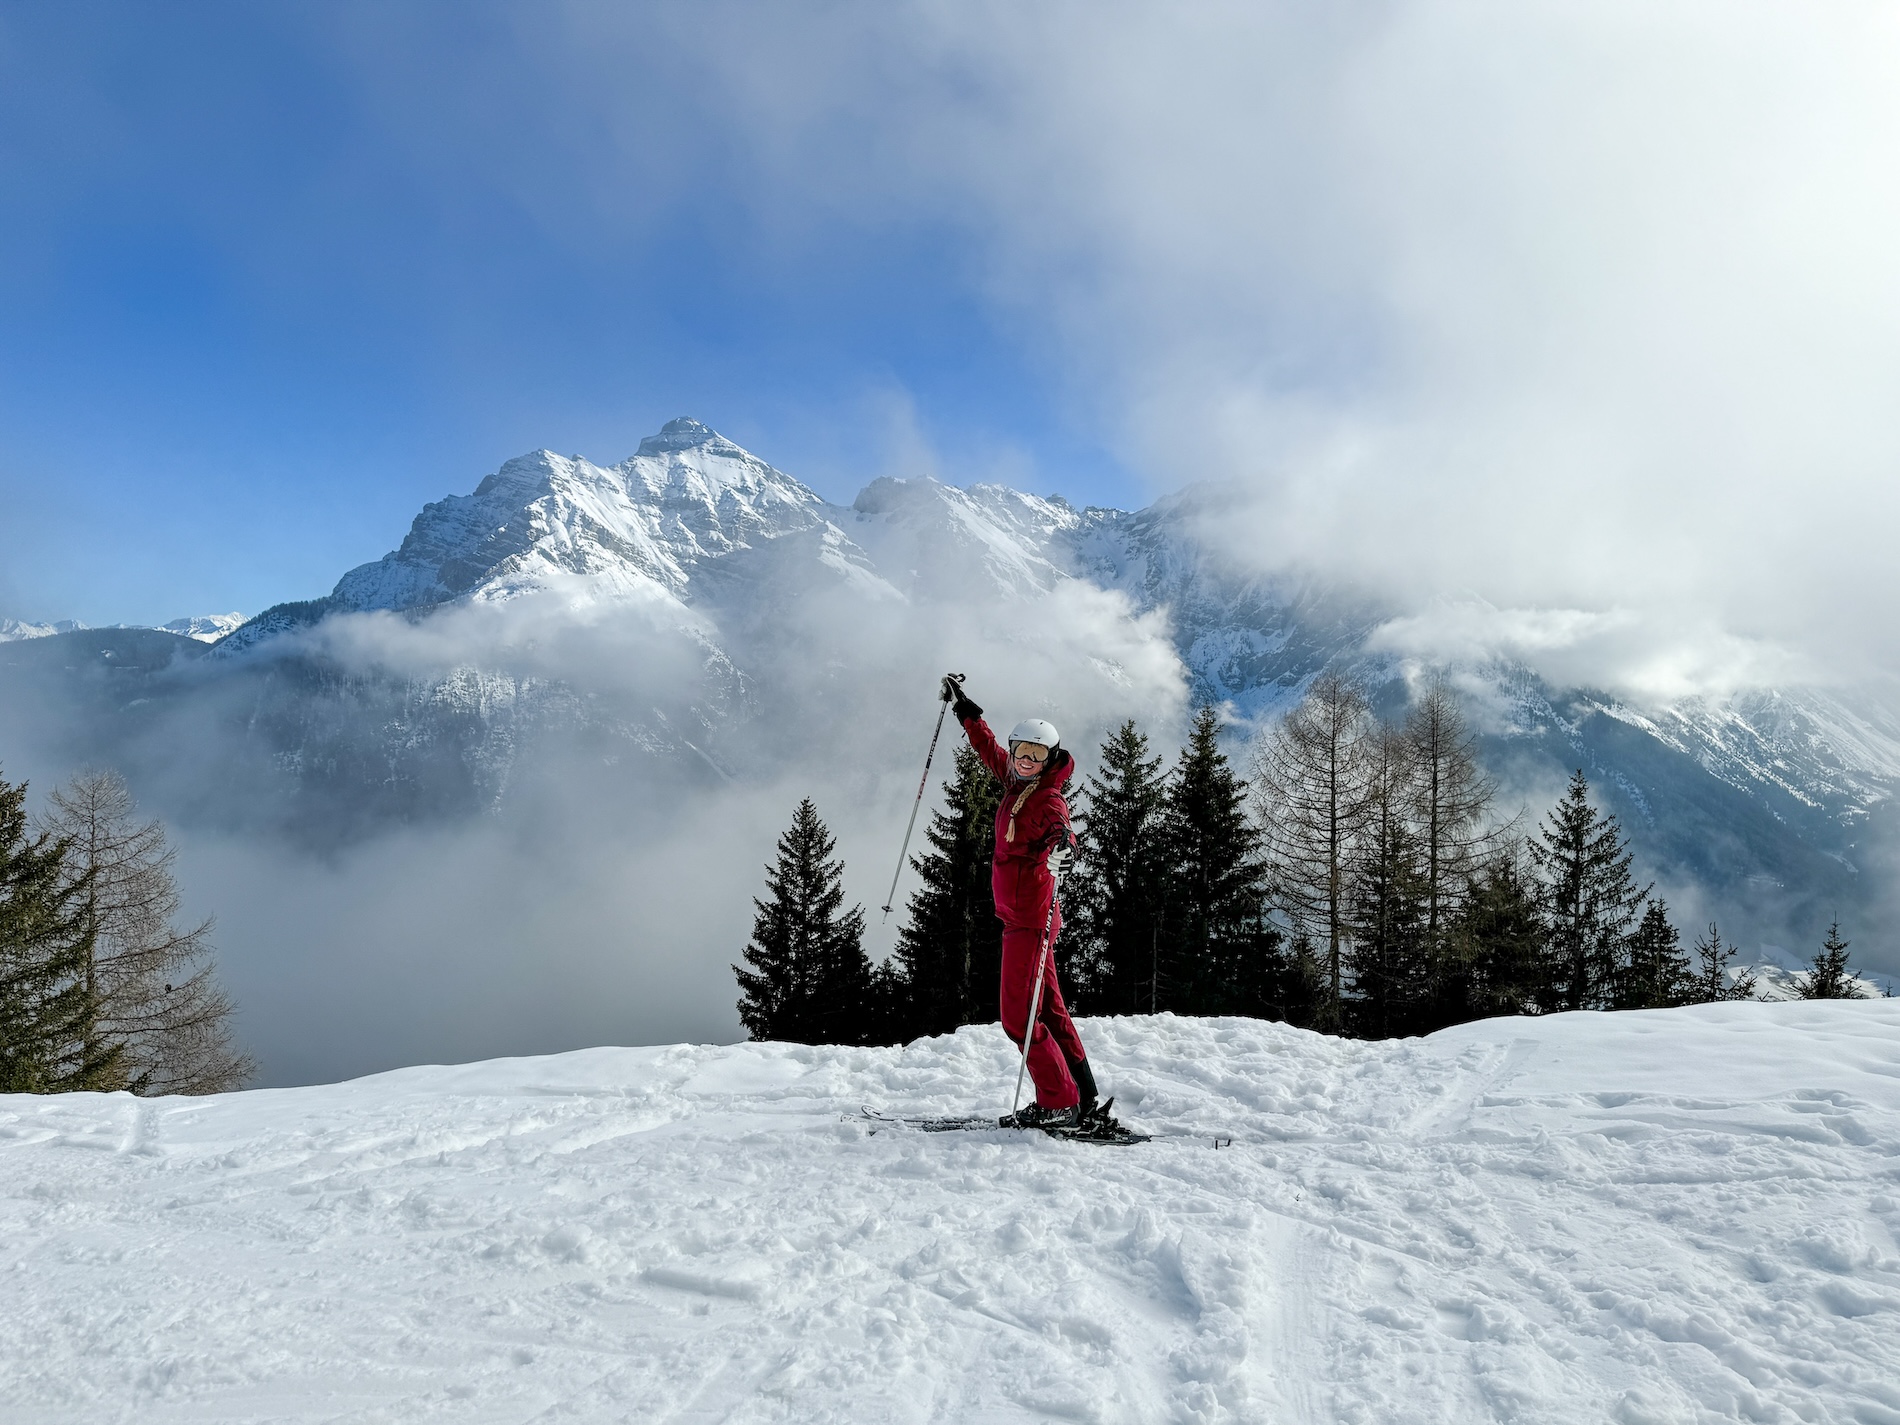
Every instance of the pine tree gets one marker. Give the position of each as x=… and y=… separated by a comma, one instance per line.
x=1710, y=981
x=1829, y=977
x=950, y=949
x=810, y=979
x=1655, y=973
x=1218, y=953
x=1500, y=958
x=1391, y=953
x=155, y=985
x=1311, y=789
x=48, y=1039
x=1588, y=900
x=1112, y=900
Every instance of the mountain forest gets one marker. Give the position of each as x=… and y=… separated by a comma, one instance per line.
x=1357, y=882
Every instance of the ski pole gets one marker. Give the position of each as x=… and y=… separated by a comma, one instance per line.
x=922, y=782
x=1035, y=1000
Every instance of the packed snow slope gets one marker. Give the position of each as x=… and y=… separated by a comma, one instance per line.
x=1661, y=1217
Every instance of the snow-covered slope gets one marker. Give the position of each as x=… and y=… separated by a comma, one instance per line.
x=206, y=628
x=1659, y=1217
x=14, y=630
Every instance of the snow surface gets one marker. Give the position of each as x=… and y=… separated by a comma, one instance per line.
x=1674, y=1216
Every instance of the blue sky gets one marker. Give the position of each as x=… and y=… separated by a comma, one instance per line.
x=256, y=308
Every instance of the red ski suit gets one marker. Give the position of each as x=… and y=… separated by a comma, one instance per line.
x=1031, y=820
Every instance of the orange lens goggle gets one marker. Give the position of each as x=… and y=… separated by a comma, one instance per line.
x=1034, y=751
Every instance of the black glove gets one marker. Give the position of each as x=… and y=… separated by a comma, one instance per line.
x=960, y=705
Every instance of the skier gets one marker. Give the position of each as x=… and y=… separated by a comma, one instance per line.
x=1033, y=846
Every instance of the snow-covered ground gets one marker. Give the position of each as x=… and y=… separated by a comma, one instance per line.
x=1674, y=1216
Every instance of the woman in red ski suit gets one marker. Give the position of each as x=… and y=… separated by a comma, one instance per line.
x=1032, y=820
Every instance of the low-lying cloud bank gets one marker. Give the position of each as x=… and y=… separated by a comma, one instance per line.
x=523, y=827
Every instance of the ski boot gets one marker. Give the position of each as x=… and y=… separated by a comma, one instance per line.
x=1036, y=1116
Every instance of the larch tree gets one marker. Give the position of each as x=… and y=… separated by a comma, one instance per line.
x=809, y=980
x=1588, y=899
x=1112, y=901
x=155, y=985
x=950, y=947
x=1450, y=799
x=48, y=1011
x=1311, y=786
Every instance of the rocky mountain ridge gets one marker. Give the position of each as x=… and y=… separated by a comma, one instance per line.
x=1760, y=801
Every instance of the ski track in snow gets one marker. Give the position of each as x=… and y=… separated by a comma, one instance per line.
x=1687, y=1215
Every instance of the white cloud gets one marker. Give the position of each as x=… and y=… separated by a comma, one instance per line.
x=1576, y=306
x=1647, y=657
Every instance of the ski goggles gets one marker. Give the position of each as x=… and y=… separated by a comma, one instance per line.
x=1034, y=751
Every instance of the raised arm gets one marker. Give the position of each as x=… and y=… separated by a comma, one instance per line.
x=989, y=751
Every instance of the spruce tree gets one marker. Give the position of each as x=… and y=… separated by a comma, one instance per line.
x=1710, y=981
x=1218, y=954
x=1655, y=973
x=810, y=979
x=1311, y=793
x=1828, y=975
x=1391, y=950
x=48, y=1011
x=1500, y=957
x=1588, y=900
x=1112, y=900
x=950, y=949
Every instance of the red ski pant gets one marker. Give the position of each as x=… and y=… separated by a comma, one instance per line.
x=1055, y=1041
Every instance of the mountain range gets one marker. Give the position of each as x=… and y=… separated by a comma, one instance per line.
x=1772, y=808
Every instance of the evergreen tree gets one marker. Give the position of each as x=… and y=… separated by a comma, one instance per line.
x=48, y=1015
x=1499, y=961
x=1218, y=953
x=1588, y=900
x=1112, y=900
x=810, y=979
x=1710, y=981
x=1829, y=977
x=1312, y=783
x=950, y=950
x=1390, y=956
x=1655, y=973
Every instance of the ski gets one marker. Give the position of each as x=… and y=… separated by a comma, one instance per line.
x=931, y=1125
x=1100, y=1130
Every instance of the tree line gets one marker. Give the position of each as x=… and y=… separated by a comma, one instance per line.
x=1357, y=881
x=99, y=988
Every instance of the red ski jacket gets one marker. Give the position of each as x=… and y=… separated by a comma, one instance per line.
x=1031, y=820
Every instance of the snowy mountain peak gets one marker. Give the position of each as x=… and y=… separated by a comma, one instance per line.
x=635, y=529
x=15, y=630
x=205, y=628
x=943, y=536
x=683, y=433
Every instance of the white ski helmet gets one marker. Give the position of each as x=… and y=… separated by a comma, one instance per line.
x=1034, y=729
